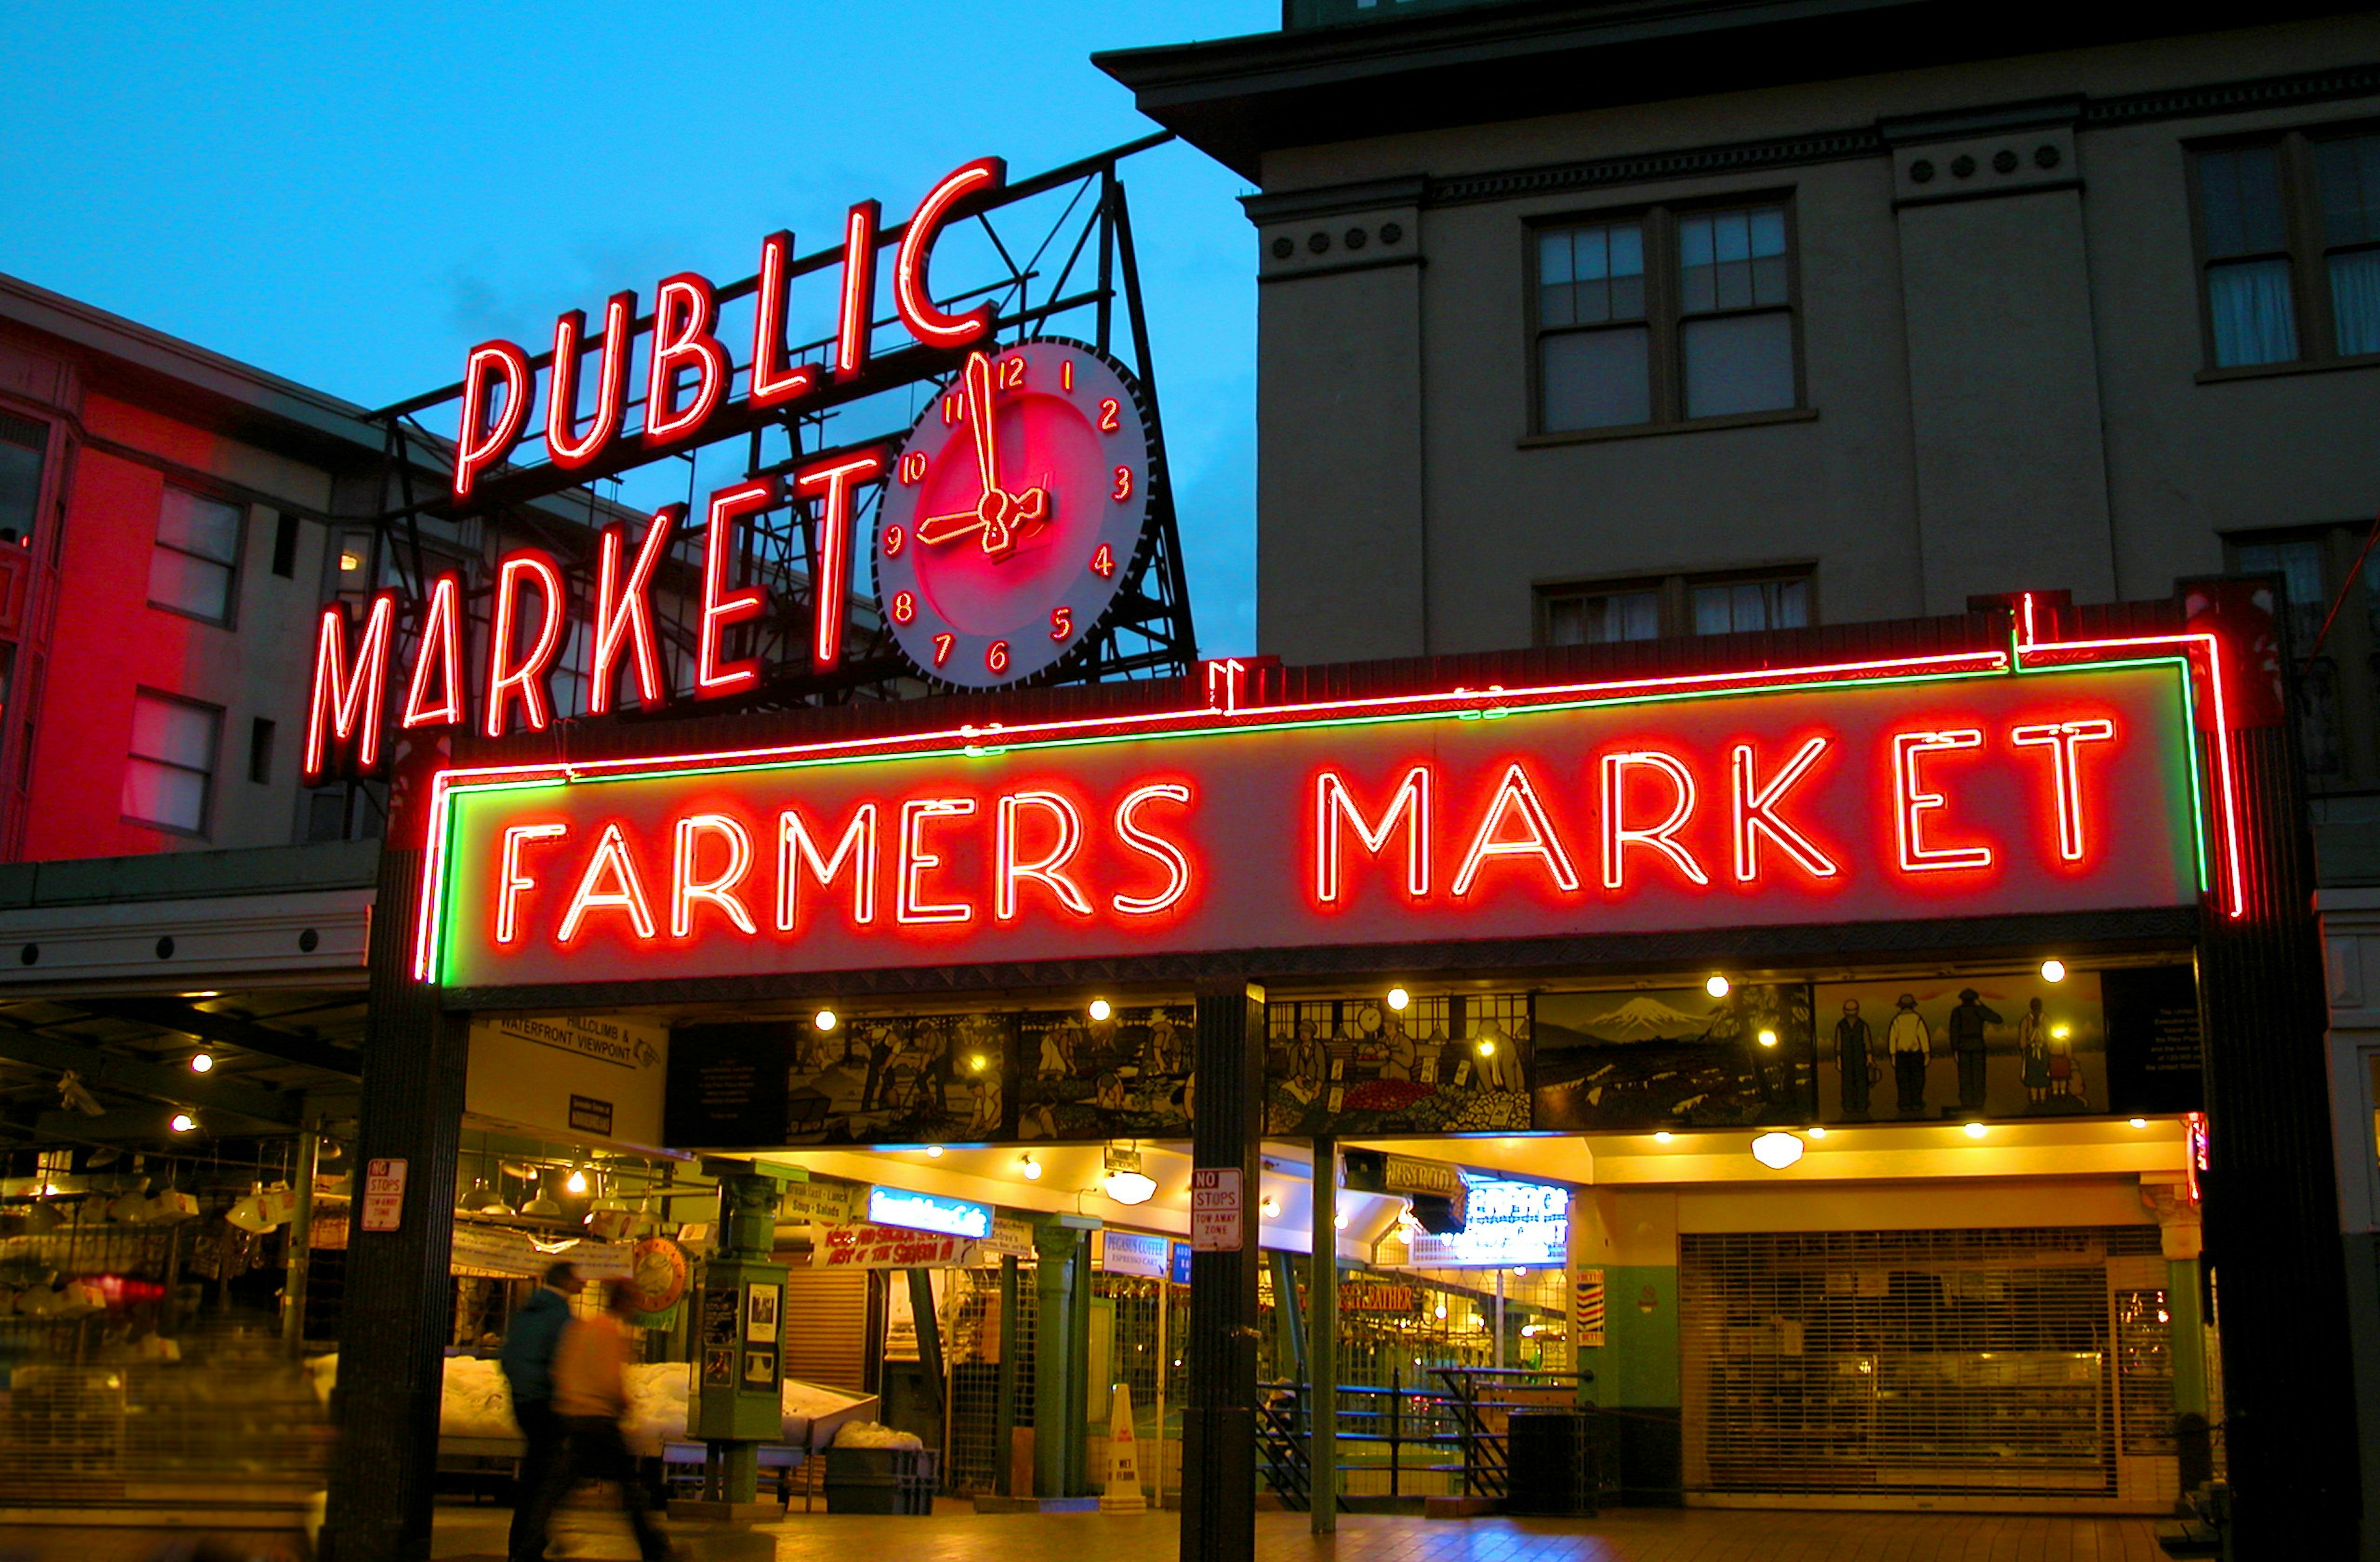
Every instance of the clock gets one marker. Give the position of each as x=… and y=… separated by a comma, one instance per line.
x=1016, y=513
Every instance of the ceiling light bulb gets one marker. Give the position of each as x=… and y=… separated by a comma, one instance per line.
x=1768, y=1038
x=1340, y=1220
x=1398, y=997
x=1131, y=1186
x=824, y=1019
x=1101, y=1008
x=2140, y=1122
x=2053, y=969
x=202, y=1063
x=1441, y=1313
x=1487, y=1046
x=934, y=1151
x=183, y=1122
x=1818, y=1131
x=1271, y=1207
x=1031, y=1168
x=577, y=1181
x=1662, y=1137
x=1718, y=986
x=1976, y=1131
x=1777, y=1151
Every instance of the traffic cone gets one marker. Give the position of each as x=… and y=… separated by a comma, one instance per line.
x=1122, y=1494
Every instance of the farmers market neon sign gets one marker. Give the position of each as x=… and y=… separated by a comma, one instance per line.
x=2043, y=777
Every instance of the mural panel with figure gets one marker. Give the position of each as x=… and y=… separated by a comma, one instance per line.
x=1962, y=1046
x=1673, y=1059
x=1125, y=1076
x=1449, y=1064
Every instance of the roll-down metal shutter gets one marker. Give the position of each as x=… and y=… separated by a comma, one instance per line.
x=826, y=1327
x=1922, y=1363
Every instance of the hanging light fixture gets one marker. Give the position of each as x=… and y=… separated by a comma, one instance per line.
x=1125, y=1183
x=543, y=1207
x=1777, y=1150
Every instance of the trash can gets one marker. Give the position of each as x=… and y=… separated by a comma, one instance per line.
x=896, y=1481
x=1550, y=1463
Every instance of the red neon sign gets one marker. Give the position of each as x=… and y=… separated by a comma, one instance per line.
x=1866, y=794
x=499, y=382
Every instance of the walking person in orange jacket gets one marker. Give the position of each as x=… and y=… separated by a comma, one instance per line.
x=590, y=1396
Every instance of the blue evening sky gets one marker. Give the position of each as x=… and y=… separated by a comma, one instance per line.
x=351, y=196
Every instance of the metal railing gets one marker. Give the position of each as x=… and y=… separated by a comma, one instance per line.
x=1461, y=1429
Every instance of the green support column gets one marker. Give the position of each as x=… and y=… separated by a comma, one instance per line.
x=1288, y=1323
x=1082, y=1400
x=1322, y=1331
x=1057, y=1388
x=2188, y=1337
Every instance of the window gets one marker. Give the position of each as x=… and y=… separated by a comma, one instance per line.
x=1664, y=317
x=285, y=543
x=22, y=442
x=2338, y=692
x=2289, y=234
x=171, y=768
x=1672, y=604
x=191, y=568
x=260, y=751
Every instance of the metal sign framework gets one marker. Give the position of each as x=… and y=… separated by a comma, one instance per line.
x=1062, y=273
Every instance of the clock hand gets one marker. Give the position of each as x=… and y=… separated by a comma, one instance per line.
x=979, y=416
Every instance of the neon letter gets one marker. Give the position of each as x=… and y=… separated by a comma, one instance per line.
x=721, y=607
x=719, y=888
x=857, y=315
x=441, y=649
x=1619, y=836
x=1912, y=802
x=623, y=614
x=858, y=848
x=908, y=900
x=511, y=881
x=526, y=678
x=1050, y=869
x=481, y=445
x=910, y=295
x=1177, y=864
x=1515, y=795
x=627, y=893
x=830, y=566
x=775, y=382
x=2060, y=738
x=1333, y=803
x=569, y=448
x=347, y=697
x=683, y=310
x=1755, y=814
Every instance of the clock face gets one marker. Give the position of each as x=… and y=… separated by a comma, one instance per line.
x=1014, y=514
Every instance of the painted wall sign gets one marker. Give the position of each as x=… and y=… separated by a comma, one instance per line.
x=928, y=1211
x=596, y=1075
x=1860, y=792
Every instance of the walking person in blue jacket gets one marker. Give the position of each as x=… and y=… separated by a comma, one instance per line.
x=528, y=1363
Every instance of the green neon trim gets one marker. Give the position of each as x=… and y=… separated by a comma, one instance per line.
x=2202, y=833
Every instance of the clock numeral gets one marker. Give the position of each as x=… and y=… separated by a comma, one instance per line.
x=995, y=656
x=1110, y=415
x=1011, y=373
x=1103, y=562
x=1123, y=489
x=953, y=409
x=1061, y=622
x=942, y=644
x=913, y=468
x=1066, y=375
x=904, y=608
x=895, y=540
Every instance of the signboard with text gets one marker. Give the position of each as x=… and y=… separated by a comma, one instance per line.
x=1863, y=797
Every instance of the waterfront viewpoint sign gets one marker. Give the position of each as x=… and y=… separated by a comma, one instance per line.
x=2033, y=779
